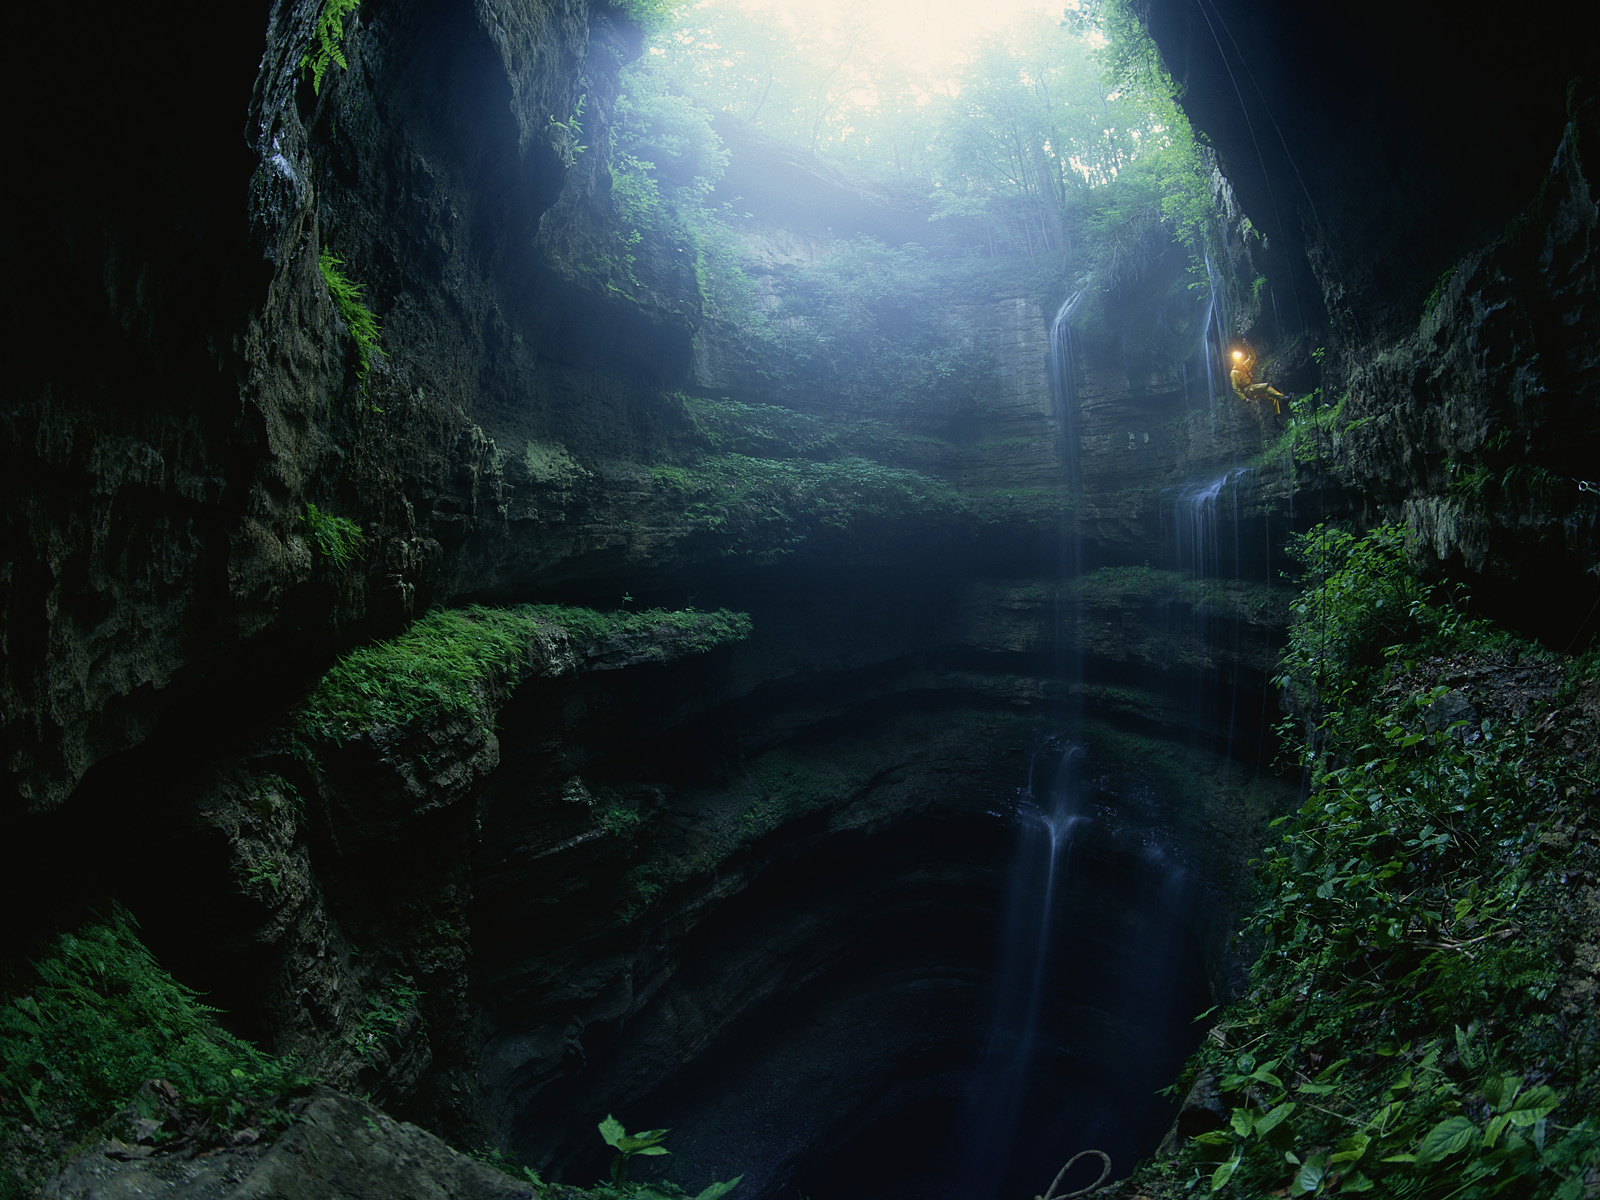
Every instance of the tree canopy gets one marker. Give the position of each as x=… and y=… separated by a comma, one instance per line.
x=1023, y=137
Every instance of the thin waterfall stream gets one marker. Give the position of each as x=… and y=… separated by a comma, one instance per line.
x=1042, y=1092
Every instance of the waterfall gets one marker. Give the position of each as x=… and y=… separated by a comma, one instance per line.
x=1083, y=1025
x=1064, y=385
x=1053, y=816
x=1068, y=614
x=1213, y=347
x=1194, y=522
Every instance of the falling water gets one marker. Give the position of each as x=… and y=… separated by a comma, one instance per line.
x=1201, y=526
x=1064, y=385
x=1063, y=372
x=1195, y=516
x=1213, y=347
x=1053, y=815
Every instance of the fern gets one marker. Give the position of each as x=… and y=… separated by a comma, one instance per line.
x=93, y=1020
x=346, y=293
x=338, y=538
x=325, y=49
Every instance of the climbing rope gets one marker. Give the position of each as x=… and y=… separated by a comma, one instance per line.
x=1050, y=1192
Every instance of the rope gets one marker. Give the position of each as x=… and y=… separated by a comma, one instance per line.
x=1050, y=1192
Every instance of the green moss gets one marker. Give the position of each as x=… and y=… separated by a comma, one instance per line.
x=779, y=787
x=91, y=1022
x=1439, y=287
x=771, y=506
x=1256, y=603
x=455, y=661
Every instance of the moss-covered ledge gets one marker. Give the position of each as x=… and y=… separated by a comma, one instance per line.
x=464, y=662
x=351, y=838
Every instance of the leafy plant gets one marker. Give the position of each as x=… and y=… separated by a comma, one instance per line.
x=618, y=819
x=646, y=1144
x=1412, y=1027
x=263, y=874
x=339, y=539
x=326, y=42
x=568, y=132
x=92, y=1021
x=358, y=318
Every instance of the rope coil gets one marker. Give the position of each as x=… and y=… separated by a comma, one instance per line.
x=1105, y=1170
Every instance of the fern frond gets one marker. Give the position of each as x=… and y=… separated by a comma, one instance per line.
x=361, y=320
x=326, y=43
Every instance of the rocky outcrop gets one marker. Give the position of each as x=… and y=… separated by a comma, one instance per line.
x=1355, y=140
x=1456, y=304
x=337, y=1147
x=1480, y=429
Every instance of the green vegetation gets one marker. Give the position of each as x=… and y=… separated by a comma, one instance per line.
x=1050, y=155
x=1498, y=476
x=770, y=507
x=566, y=133
x=646, y=1144
x=338, y=539
x=358, y=318
x=775, y=789
x=1258, y=603
x=652, y=14
x=326, y=41
x=93, y=1020
x=762, y=430
x=387, y=1012
x=455, y=661
x=618, y=819
x=1311, y=432
x=1057, y=143
x=1439, y=287
x=1420, y=1022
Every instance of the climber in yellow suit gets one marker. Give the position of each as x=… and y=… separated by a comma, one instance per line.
x=1244, y=363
